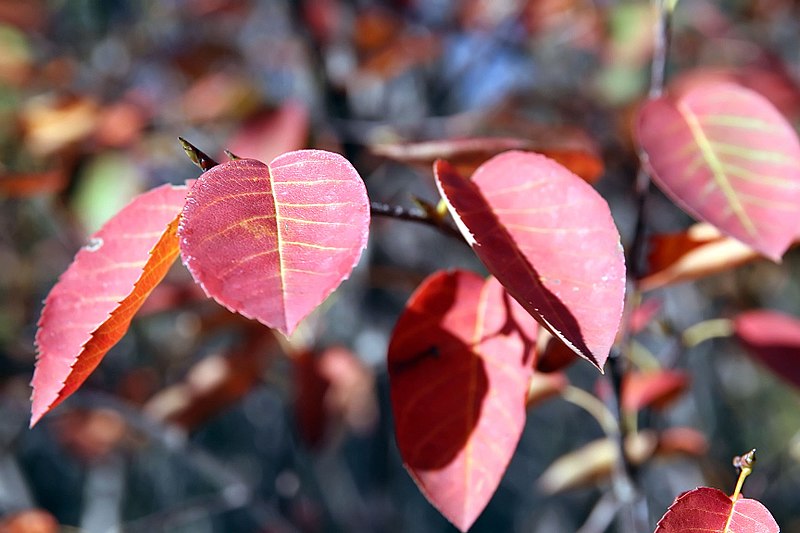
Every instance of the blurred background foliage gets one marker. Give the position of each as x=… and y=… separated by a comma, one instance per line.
x=202, y=421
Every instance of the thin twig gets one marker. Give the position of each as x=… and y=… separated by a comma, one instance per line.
x=633, y=516
x=413, y=215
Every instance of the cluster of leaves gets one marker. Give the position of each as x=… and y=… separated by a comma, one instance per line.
x=271, y=242
x=469, y=354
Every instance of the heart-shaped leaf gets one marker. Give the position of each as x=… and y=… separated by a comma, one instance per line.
x=460, y=361
x=727, y=156
x=272, y=242
x=773, y=339
x=710, y=510
x=549, y=238
x=91, y=306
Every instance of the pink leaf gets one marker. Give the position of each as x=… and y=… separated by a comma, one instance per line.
x=710, y=510
x=272, y=242
x=459, y=368
x=91, y=306
x=726, y=156
x=549, y=238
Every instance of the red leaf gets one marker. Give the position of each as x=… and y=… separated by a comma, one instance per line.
x=657, y=389
x=773, y=339
x=710, y=510
x=459, y=368
x=272, y=242
x=726, y=156
x=697, y=252
x=550, y=240
x=91, y=306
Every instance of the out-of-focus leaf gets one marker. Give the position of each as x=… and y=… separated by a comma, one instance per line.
x=333, y=388
x=697, y=252
x=49, y=124
x=215, y=383
x=710, y=510
x=594, y=462
x=466, y=155
x=544, y=386
x=655, y=389
x=270, y=134
x=644, y=314
x=105, y=185
x=272, y=242
x=549, y=238
x=681, y=440
x=27, y=184
x=91, y=306
x=726, y=156
x=459, y=369
x=29, y=521
x=773, y=339
x=91, y=434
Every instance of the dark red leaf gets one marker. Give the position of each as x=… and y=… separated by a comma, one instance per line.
x=710, y=510
x=459, y=368
x=91, y=306
x=773, y=339
x=272, y=242
x=549, y=238
x=726, y=156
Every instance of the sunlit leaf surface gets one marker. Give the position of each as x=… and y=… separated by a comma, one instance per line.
x=726, y=156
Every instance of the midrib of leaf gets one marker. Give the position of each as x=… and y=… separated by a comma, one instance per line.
x=279, y=239
x=477, y=335
x=716, y=166
x=727, y=528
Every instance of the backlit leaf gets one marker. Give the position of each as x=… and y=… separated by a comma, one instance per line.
x=91, y=306
x=459, y=368
x=711, y=511
x=272, y=242
x=549, y=238
x=773, y=339
x=726, y=156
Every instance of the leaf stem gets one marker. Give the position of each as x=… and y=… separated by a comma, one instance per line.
x=413, y=215
x=594, y=407
x=745, y=464
x=624, y=484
